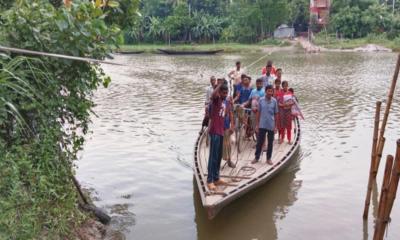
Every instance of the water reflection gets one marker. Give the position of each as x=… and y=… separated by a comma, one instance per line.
x=255, y=214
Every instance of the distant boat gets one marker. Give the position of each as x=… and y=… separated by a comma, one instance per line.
x=189, y=52
x=129, y=52
x=245, y=176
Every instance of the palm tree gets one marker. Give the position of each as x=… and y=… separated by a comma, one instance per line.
x=155, y=29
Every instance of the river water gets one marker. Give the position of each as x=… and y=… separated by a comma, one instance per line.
x=138, y=158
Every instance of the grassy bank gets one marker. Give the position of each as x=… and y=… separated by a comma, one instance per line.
x=331, y=42
x=227, y=47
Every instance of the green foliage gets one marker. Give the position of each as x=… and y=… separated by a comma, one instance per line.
x=156, y=8
x=124, y=13
x=299, y=14
x=348, y=21
x=353, y=21
x=179, y=23
x=45, y=107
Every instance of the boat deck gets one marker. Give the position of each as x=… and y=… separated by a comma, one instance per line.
x=245, y=175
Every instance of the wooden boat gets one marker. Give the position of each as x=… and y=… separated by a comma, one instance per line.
x=130, y=52
x=189, y=52
x=245, y=176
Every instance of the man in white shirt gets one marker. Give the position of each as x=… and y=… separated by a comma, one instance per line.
x=269, y=77
x=236, y=75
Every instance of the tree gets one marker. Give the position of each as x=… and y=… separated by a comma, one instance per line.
x=156, y=29
x=348, y=22
x=156, y=8
x=124, y=13
x=178, y=24
x=376, y=19
x=299, y=14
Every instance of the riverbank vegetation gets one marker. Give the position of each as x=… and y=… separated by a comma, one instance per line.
x=357, y=23
x=45, y=107
x=165, y=22
x=227, y=47
x=330, y=41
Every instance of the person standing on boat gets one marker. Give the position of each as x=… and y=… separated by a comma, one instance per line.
x=269, y=77
x=269, y=66
x=278, y=93
x=256, y=94
x=236, y=75
x=216, y=133
x=209, y=91
x=265, y=124
x=229, y=126
x=285, y=102
x=242, y=96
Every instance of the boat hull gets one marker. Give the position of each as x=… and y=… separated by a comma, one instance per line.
x=176, y=52
x=214, y=207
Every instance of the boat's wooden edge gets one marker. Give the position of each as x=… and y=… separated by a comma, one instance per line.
x=261, y=179
x=196, y=167
x=213, y=209
x=129, y=52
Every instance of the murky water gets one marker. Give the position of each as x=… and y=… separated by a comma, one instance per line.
x=139, y=156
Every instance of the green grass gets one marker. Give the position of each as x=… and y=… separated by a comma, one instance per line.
x=331, y=42
x=227, y=47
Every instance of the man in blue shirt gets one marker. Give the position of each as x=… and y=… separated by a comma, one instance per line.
x=265, y=123
x=243, y=92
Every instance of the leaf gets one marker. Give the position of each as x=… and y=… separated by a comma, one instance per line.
x=62, y=24
x=98, y=3
x=113, y=4
x=106, y=81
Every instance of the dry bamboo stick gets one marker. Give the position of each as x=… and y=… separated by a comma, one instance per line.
x=387, y=109
x=373, y=158
x=394, y=182
x=379, y=150
x=379, y=225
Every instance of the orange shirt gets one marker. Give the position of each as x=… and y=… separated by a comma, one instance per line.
x=264, y=70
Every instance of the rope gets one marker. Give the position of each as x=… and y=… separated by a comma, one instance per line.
x=30, y=52
x=261, y=58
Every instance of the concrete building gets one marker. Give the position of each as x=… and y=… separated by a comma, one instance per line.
x=319, y=9
x=284, y=31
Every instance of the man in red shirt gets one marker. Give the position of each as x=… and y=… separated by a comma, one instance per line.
x=269, y=67
x=216, y=133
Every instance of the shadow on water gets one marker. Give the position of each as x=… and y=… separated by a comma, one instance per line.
x=254, y=215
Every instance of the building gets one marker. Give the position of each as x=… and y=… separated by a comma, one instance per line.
x=319, y=10
x=284, y=31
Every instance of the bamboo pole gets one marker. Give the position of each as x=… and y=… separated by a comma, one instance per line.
x=373, y=158
x=387, y=109
x=394, y=182
x=379, y=151
x=379, y=226
x=387, y=203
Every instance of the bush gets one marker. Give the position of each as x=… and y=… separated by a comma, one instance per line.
x=45, y=107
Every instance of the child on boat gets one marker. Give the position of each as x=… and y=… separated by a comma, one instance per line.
x=229, y=126
x=296, y=111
